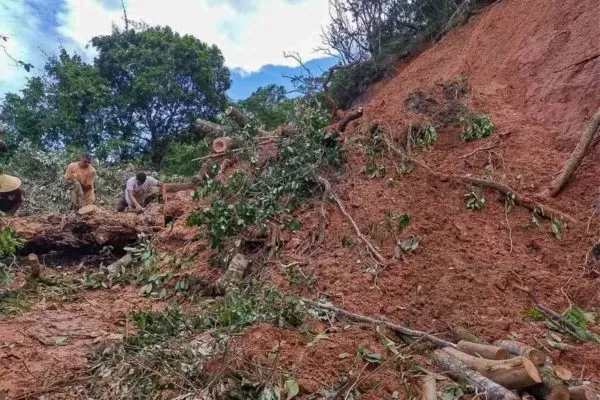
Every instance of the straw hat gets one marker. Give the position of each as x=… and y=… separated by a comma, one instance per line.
x=9, y=183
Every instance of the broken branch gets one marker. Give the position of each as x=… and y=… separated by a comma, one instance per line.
x=575, y=159
x=349, y=117
x=536, y=356
x=371, y=248
x=375, y=321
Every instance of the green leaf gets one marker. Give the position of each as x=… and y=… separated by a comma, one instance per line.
x=291, y=388
x=374, y=358
x=61, y=340
x=146, y=289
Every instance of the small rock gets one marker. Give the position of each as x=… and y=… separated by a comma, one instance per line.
x=308, y=385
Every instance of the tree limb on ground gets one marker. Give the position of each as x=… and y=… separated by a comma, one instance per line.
x=519, y=199
x=349, y=117
x=376, y=321
x=327, y=187
x=576, y=156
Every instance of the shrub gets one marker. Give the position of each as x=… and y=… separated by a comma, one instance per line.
x=182, y=158
x=478, y=126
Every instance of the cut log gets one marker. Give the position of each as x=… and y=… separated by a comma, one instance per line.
x=73, y=232
x=120, y=263
x=428, y=388
x=575, y=159
x=232, y=277
x=551, y=388
x=351, y=116
x=210, y=129
x=464, y=334
x=89, y=209
x=221, y=144
x=563, y=373
x=484, y=386
x=237, y=116
x=536, y=356
x=582, y=392
x=514, y=373
x=483, y=350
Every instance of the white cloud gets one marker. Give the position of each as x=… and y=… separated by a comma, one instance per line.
x=249, y=39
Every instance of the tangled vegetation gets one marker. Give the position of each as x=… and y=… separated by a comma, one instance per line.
x=278, y=185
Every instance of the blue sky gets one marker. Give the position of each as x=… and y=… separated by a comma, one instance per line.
x=252, y=34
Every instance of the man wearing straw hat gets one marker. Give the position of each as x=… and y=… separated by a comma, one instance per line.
x=82, y=176
x=11, y=195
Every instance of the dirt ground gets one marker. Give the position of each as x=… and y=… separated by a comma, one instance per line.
x=524, y=69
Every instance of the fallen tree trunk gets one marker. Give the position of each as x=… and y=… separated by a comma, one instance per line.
x=456, y=369
x=349, y=117
x=483, y=350
x=232, y=277
x=575, y=159
x=120, y=263
x=75, y=232
x=237, y=116
x=514, y=373
x=211, y=129
x=536, y=356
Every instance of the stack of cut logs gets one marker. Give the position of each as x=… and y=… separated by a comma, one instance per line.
x=506, y=370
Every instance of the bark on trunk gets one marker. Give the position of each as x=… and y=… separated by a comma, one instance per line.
x=483, y=350
x=582, y=392
x=515, y=373
x=536, y=356
x=72, y=232
x=233, y=276
x=575, y=159
x=211, y=129
x=490, y=389
x=237, y=116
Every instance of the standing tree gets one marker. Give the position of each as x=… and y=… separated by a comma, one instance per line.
x=160, y=82
x=269, y=105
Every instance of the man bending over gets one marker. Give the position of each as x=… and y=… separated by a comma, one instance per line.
x=136, y=190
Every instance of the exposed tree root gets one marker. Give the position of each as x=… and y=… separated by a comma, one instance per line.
x=575, y=159
x=351, y=116
x=396, y=328
x=327, y=187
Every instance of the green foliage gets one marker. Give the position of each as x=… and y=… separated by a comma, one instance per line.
x=9, y=242
x=409, y=245
x=374, y=34
x=424, y=137
x=276, y=186
x=474, y=200
x=160, y=82
x=145, y=87
x=396, y=223
x=182, y=158
x=347, y=241
x=293, y=225
x=269, y=105
x=478, y=126
x=41, y=173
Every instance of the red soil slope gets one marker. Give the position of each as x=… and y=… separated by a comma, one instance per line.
x=524, y=64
